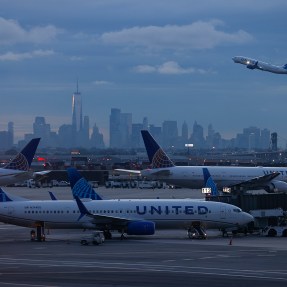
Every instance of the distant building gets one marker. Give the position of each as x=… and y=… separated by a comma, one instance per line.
x=77, y=116
x=274, y=142
x=42, y=130
x=120, y=129
x=97, y=139
x=169, y=134
x=197, y=138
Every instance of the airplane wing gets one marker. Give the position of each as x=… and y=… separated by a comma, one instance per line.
x=256, y=182
x=163, y=172
x=146, y=172
x=99, y=218
x=129, y=171
x=44, y=172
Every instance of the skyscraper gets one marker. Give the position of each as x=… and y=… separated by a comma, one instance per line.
x=77, y=116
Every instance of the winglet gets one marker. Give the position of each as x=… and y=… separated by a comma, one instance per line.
x=83, y=210
x=157, y=157
x=208, y=182
x=23, y=160
x=3, y=196
x=80, y=187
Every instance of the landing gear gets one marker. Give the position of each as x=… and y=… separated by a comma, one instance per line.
x=39, y=234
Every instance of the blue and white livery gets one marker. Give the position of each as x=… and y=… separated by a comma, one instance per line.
x=255, y=64
x=271, y=179
x=130, y=216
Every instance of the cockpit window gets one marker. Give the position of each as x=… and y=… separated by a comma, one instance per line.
x=238, y=210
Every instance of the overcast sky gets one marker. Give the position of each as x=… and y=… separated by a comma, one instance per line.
x=167, y=60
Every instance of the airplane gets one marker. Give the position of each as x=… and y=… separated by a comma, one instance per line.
x=128, y=216
x=17, y=169
x=255, y=64
x=271, y=179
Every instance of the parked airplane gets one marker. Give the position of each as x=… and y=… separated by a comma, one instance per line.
x=255, y=64
x=130, y=216
x=18, y=169
x=271, y=179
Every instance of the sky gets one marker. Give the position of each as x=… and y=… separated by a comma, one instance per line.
x=166, y=60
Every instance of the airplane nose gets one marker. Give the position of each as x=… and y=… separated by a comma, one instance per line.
x=234, y=59
x=248, y=218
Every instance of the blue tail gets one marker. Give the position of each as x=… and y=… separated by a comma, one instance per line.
x=52, y=195
x=23, y=160
x=80, y=187
x=156, y=155
x=285, y=67
x=3, y=196
x=208, y=182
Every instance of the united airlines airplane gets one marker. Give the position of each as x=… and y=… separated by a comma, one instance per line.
x=255, y=64
x=271, y=179
x=18, y=169
x=128, y=216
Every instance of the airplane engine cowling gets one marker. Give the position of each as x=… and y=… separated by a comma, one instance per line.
x=141, y=228
x=276, y=186
x=251, y=67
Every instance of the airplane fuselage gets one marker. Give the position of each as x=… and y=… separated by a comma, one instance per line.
x=255, y=64
x=166, y=214
x=192, y=176
x=9, y=176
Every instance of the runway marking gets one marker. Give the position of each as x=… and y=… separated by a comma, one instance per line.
x=23, y=284
x=259, y=274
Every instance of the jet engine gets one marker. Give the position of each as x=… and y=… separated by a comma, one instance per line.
x=252, y=66
x=141, y=228
x=276, y=186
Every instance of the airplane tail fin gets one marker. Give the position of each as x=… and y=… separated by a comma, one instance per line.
x=285, y=66
x=23, y=160
x=157, y=157
x=80, y=187
x=3, y=196
x=208, y=182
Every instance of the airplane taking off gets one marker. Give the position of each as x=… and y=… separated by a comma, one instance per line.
x=18, y=169
x=130, y=216
x=271, y=179
x=255, y=64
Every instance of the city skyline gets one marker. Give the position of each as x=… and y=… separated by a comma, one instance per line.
x=174, y=63
x=125, y=134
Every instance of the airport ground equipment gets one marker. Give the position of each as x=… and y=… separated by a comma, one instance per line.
x=95, y=238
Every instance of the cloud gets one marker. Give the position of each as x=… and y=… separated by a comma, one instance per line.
x=10, y=56
x=169, y=68
x=11, y=32
x=198, y=35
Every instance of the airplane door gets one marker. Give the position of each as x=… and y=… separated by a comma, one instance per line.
x=222, y=212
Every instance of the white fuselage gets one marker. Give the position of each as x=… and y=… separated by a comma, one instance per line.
x=9, y=176
x=223, y=176
x=166, y=214
x=255, y=64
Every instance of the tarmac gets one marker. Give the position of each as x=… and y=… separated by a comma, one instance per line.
x=167, y=258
